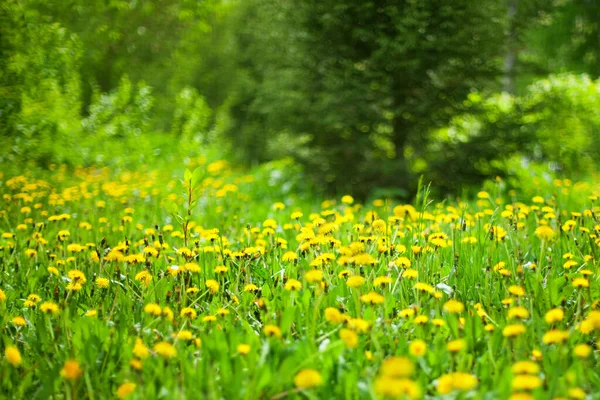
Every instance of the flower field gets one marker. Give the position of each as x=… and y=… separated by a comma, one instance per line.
x=148, y=284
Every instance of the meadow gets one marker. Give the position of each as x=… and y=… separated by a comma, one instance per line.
x=210, y=283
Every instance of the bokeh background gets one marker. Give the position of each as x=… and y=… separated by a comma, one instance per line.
x=361, y=97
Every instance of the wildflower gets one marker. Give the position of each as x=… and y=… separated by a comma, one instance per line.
x=554, y=315
x=71, y=370
x=454, y=306
x=188, y=313
x=167, y=313
x=403, y=262
x=417, y=348
x=349, y=337
x=91, y=313
x=355, y=281
x=221, y=269
x=333, y=315
x=577, y=393
x=538, y=200
x=192, y=290
x=421, y=319
x=397, y=367
x=379, y=226
x=555, y=336
x=526, y=382
x=544, y=232
x=251, y=288
x=407, y=312
x=382, y=281
x=102, y=283
x=223, y=311
x=570, y=264
x=410, y=273
x=165, y=349
x=516, y=290
x=174, y=270
x=153, y=309
x=347, y=199
x=212, y=285
x=2, y=296
x=191, y=267
x=358, y=324
x=518, y=312
x=49, y=307
x=397, y=388
x=344, y=273
x=13, y=356
x=143, y=277
x=581, y=283
x=525, y=367
x=364, y=259
x=314, y=276
x=307, y=379
x=513, y=330
x=243, y=349
x=293, y=285
x=272, y=330
x=19, y=321
x=424, y=287
x=140, y=350
x=457, y=345
x=456, y=381
x=184, y=335
x=209, y=318
x=125, y=389
x=372, y=298
x=582, y=350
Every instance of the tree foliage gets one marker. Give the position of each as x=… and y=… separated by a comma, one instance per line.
x=364, y=94
x=354, y=86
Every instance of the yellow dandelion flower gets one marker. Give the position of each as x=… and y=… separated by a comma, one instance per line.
x=125, y=389
x=454, y=306
x=243, y=349
x=13, y=356
x=307, y=379
x=513, y=330
x=293, y=285
x=272, y=330
x=49, y=307
x=71, y=370
x=165, y=349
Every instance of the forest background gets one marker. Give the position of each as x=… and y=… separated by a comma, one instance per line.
x=364, y=97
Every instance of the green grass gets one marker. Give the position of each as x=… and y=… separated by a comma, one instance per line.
x=234, y=222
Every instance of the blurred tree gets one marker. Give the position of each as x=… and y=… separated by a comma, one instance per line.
x=39, y=83
x=354, y=86
x=521, y=17
x=565, y=37
x=555, y=123
x=163, y=43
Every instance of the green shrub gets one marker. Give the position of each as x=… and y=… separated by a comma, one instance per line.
x=556, y=123
x=123, y=112
x=192, y=114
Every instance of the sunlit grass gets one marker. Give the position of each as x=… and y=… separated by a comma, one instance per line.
x=148, y=285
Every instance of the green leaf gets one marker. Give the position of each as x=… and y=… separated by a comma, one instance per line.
x=170, y=206
x=197, y=176
x=187, y=175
